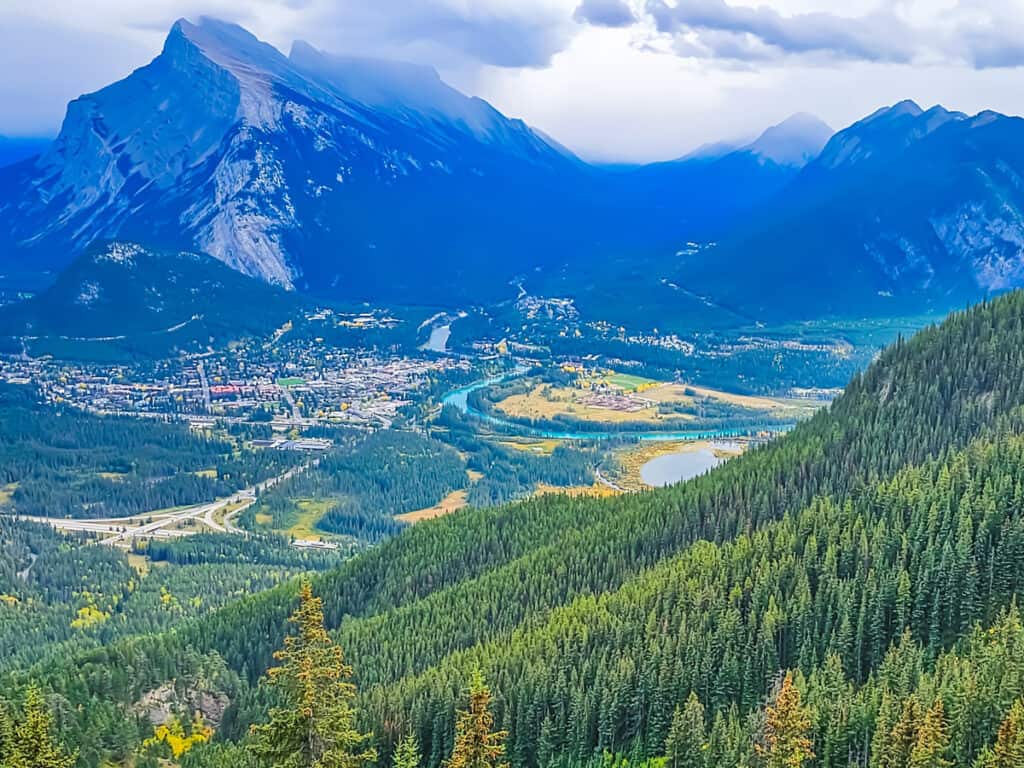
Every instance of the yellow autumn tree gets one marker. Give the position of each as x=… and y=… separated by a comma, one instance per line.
x=476, y=745
x=787, y=743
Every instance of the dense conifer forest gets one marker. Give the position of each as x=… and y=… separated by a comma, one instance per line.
x=63, y=462
x=847, y=595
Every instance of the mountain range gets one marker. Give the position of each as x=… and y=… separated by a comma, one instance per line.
x=305, y=170
x=906, y=209
x=362, y=179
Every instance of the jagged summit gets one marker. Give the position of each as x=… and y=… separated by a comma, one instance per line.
x=223, y=144
x=885, y=131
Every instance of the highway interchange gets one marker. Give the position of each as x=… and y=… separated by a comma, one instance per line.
x=217, y=516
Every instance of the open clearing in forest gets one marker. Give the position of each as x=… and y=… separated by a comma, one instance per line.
x=454, y=501
x=303, y=520
x=450, y=503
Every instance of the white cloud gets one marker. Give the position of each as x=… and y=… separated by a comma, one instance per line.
x=681, y=73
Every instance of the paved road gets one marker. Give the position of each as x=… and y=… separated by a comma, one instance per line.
x=163, y=525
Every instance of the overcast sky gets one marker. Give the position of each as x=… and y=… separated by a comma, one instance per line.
x=611, y=79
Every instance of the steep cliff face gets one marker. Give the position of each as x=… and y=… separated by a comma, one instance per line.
x=224, y=144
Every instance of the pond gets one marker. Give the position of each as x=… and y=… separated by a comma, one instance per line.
x=676, y=467
x=438, y=341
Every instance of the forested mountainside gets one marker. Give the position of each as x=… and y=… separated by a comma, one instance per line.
x=145, y=303
x=875, y=553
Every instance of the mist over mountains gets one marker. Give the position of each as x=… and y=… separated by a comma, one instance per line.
x=361, y=179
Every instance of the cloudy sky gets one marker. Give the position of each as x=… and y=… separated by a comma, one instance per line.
x=611, y=79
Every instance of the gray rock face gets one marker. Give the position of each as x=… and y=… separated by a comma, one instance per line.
x=225, y=145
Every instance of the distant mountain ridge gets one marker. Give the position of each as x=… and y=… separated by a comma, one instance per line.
x=907, y=210
x=364, y=180
x=795, y=141
x=717, y=184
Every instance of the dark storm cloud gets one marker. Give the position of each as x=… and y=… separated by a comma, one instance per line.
x=605, y=13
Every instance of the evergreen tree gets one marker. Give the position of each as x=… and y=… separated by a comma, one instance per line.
x=1008, y=751
x=407, y=753
x=314, y=726
x=687, y=737
x=476, y=745
x=31, y=739
x=902, y=737
x=6, y=733
x=932, y=744
x=787, y=725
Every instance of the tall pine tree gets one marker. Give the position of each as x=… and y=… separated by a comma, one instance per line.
x=476, y=745
x=932, y=744
x=30, y=742
x=314, y=725
x=786, y=731
x=686, y=743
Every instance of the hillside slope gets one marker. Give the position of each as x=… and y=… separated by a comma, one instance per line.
x=567, y=602
x=123, y=296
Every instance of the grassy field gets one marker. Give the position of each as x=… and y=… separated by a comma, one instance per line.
x=309, y=514
x=450, y=503
x=691, y=393
x=547, y=401
x=302, y=522
x=453, y=501
x=627, y=382
x=532, y=445
x=6, y=492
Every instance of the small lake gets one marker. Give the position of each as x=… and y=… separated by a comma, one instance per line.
x=676, y=467
x=438, y=341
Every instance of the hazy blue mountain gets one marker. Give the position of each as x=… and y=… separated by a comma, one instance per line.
x=16, y=149
x=361, y=179
x=128, y=296
x=906, y=210
x=795, y=141
x=304, y=171
x=705, y=191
